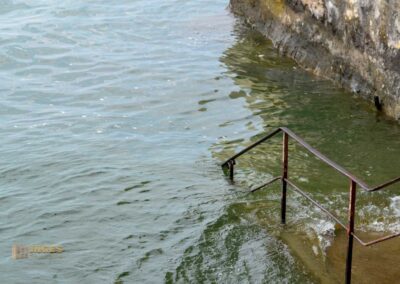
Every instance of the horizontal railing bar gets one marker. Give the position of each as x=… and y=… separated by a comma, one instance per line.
x=325, y=159
x=318, y=154
x=265, y=184
x=366, y=244
x=248, y=148
x=359, y=240
x=386, y=184
x=297, y=189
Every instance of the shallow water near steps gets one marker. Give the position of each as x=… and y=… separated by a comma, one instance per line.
x=115, y=118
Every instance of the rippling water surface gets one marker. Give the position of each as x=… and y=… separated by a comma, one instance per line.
x=114, y=119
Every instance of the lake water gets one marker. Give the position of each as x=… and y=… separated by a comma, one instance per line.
x=114, y=120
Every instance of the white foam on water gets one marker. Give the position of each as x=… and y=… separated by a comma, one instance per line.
x=380, y=217
x=395, y=205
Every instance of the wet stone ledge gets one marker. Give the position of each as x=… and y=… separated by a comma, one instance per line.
x=356, y=43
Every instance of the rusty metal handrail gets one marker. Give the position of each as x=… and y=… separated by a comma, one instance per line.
x=316, y=153
x=354, y=181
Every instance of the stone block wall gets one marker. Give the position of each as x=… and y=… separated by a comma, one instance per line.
x=356, y=43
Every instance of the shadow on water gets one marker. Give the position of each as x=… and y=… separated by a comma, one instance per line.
x=247, y=243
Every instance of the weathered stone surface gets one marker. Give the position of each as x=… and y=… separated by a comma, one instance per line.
x=356, y=43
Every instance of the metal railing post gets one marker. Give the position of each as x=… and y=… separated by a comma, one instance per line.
x=231, y=166
x=350, y=230
x=285, y=152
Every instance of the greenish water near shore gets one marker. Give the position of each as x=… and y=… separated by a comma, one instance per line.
x=115, y=118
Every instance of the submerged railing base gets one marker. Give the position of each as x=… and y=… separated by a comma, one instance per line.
x=354, y=181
